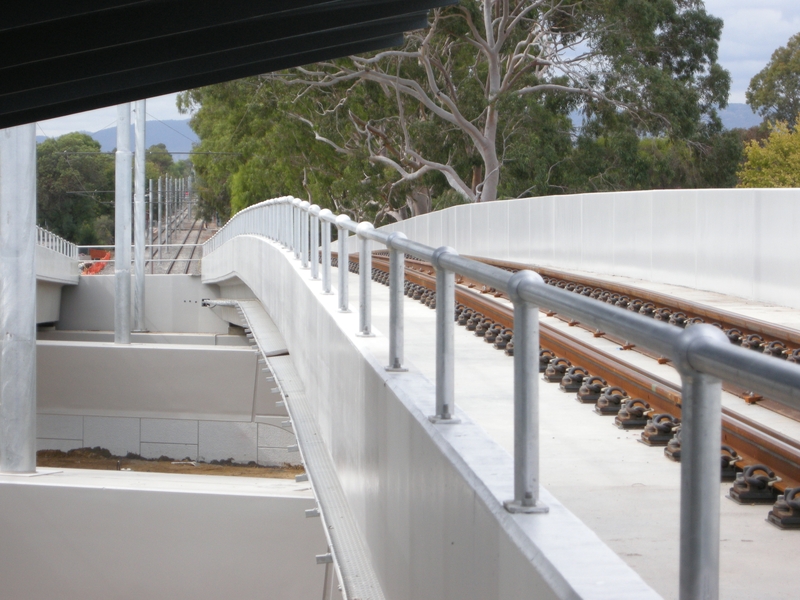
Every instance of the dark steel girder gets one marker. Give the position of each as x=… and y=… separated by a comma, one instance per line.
x=58, y=58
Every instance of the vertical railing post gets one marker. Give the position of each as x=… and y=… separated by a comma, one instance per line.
x=324, y=215
x=526, y=398
x=445, y=330
x=397, y=276
x=296, y=227
x=304, y=233
x=364, y=280
x=314, y=241
x=701, y=431
x=18, y=299
x=344, y=264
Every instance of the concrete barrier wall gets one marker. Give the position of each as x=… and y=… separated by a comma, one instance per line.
x=91, y=535
x=736, y=242
x=172, y=304
x=201, y=402
x=53, y=270
x=427, y=499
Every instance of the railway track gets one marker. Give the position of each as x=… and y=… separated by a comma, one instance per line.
x=760, y=460
x=190, y=249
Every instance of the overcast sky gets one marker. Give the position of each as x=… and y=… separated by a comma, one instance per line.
x=753, y=30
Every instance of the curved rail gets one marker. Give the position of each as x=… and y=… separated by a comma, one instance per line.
x=754, y=443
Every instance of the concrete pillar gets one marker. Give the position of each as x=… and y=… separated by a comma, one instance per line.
x=18, y=299
x=122, y=227
x=139, y=218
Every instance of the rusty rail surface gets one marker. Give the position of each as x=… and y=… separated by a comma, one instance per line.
x=760, y=336
x=754, y=442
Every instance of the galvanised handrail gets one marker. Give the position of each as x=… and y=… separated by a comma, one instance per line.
x=702, y=354
x=48, y=239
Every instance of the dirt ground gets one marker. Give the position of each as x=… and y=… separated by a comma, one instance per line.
x=101, y=459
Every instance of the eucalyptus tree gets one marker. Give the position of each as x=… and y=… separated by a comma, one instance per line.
x=456, y=94
x=775, y=90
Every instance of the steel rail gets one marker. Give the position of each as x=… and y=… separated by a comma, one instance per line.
x=182, y=246
x=724, y=320
x=755, y=443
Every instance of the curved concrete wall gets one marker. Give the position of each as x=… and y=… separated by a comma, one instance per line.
x=427, y=499
x=736, y=242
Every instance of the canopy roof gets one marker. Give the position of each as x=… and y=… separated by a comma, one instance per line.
x=59, y=57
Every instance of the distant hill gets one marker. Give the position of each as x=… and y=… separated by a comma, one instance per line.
x=739, y=116
x=735, y=116
x=176, y=135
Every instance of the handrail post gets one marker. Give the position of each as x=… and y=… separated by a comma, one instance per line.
x=296, y=227
x=526, y=399
x=314, y=241
x=397, y=277
x=364, y=280
x=445, y=331
x=344, y=264
x=326, y=250
x=701, y=431
x=304, y=233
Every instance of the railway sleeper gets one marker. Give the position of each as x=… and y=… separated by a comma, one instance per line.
x=659, y=430
x=610, y=401
x=591, y=389
x=754, y=485
x=785, y=513
x=634, y=414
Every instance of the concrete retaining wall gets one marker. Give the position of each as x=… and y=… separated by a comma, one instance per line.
x=428, y=499
x=736, y=242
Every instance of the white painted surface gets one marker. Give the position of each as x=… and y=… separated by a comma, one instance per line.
x=172, y=305
x=427, y=498
x=150, y=380
x=86, y=535
x=736, y=242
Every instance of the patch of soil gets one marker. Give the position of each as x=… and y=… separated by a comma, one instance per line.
x=101, y=459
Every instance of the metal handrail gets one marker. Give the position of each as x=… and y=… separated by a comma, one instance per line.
x=702, y=354
x=48, y=239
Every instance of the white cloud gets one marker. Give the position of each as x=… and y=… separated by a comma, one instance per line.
x=162, y=108
x=752, y=32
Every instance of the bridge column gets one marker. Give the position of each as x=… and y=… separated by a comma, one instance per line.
x=18, y=299
x=122, y=228
x=139, y=220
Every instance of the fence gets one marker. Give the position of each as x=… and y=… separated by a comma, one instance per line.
x=48, y=239
x=701, y=353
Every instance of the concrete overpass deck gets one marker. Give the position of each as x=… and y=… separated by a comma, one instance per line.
x=626, y=492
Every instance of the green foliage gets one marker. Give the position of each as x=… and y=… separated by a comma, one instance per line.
x=72, y=186
x=775, y=91
x=773, y=163
x=397, y=133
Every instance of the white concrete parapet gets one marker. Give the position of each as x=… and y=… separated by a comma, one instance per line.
x=732, y=241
